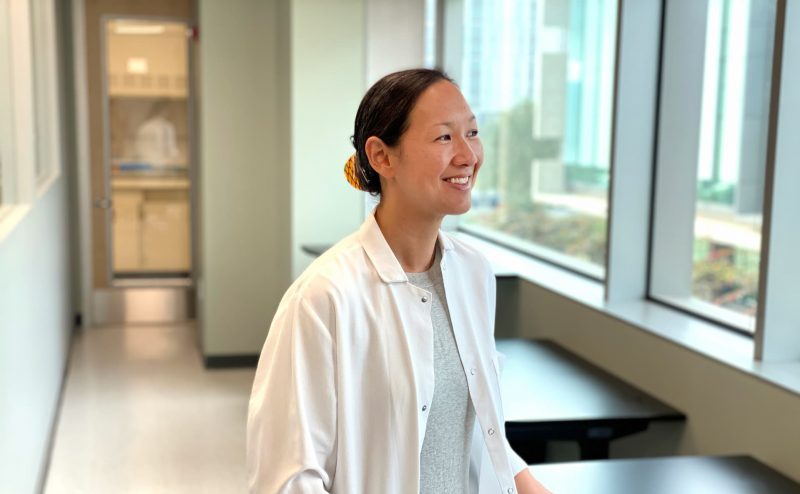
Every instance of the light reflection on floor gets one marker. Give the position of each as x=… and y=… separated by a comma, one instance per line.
x=141, y=414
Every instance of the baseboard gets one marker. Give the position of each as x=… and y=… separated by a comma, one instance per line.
x=230, y=361
x=41, y=481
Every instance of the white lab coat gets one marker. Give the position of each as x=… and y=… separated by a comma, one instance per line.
x=156, y=143
x=337, y=402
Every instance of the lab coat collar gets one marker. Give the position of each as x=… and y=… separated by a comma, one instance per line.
x=381, y=255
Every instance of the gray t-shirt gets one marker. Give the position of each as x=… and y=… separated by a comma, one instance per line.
x=444, y=462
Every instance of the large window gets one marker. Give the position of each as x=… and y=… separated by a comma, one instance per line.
x=716, y=103
x=30, y=142
x=539, y=76
x=692, y=103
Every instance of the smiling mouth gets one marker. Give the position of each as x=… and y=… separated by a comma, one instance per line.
x=458, y=180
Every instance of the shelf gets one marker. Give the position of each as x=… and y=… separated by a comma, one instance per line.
x=150, y=183
x=181, y=97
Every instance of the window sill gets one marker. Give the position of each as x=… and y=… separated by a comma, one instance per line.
x=700, y=336
x=10, y=216
x=45, y=181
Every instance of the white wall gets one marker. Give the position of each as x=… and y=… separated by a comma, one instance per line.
x=245, y=216
x=396, y=34
x=729, y=412
x=328, y=81
x=35, y=324
x=280, y=83
x=37, y=309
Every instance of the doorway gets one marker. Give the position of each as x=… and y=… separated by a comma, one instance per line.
x=142, y=173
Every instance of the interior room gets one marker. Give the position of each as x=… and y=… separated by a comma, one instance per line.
x=171, y=171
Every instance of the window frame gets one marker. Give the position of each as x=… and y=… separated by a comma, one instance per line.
x=22, y=143
x=675, y=185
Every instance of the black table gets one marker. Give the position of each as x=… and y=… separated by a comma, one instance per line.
x=678, y=474
x=551, y=394
x=315, y=249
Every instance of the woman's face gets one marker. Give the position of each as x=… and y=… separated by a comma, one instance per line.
x=438, y=157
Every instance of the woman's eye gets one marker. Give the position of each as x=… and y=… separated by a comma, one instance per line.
x=443, y=138
x=472, y=133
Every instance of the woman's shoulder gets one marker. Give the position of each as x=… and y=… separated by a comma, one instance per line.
x=330, y=274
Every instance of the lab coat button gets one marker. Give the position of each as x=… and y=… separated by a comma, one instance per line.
x=424, y=299
x=424, y=407
x=473, y=371
x=510, y=490
x=491, y=432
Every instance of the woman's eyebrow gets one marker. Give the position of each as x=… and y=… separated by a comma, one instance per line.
x=450, y=124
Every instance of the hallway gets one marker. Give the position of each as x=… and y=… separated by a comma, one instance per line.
x=141, y=414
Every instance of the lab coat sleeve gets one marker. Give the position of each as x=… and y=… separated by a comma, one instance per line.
x=291, y=430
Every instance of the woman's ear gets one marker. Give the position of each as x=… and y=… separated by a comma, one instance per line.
x=378, y=153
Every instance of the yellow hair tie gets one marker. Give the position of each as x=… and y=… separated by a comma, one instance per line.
x=351, y=175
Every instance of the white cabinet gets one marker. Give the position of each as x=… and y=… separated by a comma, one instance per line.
x=165, y=231
x=151, y=226
x=127, y=230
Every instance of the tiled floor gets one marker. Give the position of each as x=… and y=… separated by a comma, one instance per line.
x=140, y=414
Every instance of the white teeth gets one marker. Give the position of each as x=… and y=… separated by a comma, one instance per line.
x=457, y=180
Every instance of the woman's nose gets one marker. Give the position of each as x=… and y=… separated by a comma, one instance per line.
x=465, y=154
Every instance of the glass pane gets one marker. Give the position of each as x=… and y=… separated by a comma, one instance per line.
x=539, y=76
x=148, y=148
x=732, y=154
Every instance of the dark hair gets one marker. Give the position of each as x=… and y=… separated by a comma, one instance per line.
x=384, y=113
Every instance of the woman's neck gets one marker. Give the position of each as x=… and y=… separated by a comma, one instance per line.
x=411, y=237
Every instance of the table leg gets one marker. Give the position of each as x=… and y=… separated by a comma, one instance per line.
x=532, y=452
x=594, y=449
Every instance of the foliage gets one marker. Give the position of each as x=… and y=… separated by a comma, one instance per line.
x=578, y=235
x=719, y=278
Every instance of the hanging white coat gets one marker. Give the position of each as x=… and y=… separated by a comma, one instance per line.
x=346, y=375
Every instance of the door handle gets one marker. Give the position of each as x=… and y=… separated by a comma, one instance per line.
x=103, y=203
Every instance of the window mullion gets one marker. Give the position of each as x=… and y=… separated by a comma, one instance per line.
x=680, y=118
x=778, y=324
x=633, y=133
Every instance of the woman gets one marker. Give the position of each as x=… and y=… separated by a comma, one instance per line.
x=379, y=373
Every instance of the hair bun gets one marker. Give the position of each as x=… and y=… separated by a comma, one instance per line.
x=351, y=174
